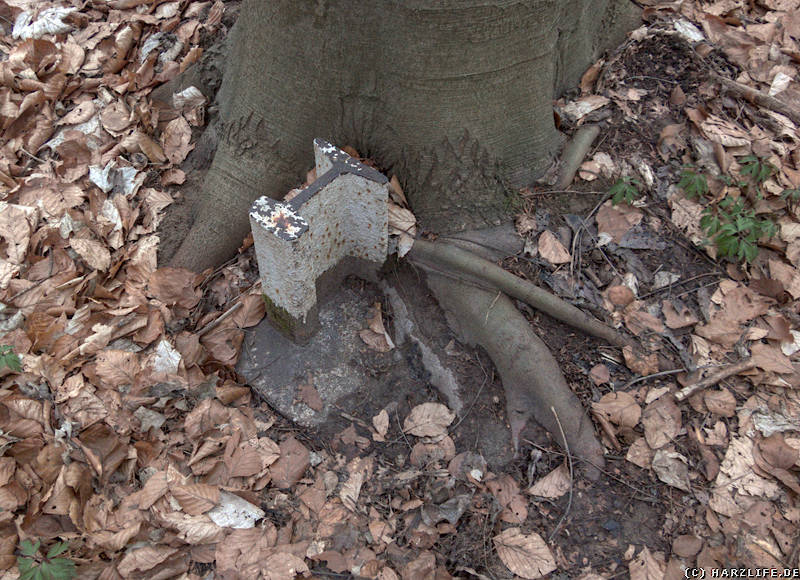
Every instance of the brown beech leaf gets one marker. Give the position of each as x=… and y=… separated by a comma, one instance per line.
x=527, y=556
x=196, y=498
x=554, y=484
x=428, y=420
x=551, y=249
x=175, y=286
x=291, y=465
x=722, y=402
x=620, y=408
x=661, y=420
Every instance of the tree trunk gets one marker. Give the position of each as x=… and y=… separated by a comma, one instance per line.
x=454, y=96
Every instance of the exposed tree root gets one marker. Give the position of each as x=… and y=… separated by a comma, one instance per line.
x=439, y=255
x=533, y=383
x=574, y=153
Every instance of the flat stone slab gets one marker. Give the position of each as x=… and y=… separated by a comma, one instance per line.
x=276, y=367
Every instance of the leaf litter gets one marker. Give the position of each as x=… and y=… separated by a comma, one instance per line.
x=126, y=434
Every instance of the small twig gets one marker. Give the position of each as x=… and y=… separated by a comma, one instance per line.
x=570, y=191
x=571, y=476
x=217, y=321
x=714, y=378
x=474, y=400
x=678, y=283
x=653, y=376
x=759, y=98
x=32, y=156
x=486, y=319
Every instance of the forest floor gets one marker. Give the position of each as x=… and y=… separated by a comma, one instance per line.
x=131, y=447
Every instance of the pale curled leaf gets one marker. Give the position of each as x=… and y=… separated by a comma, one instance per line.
x=527, y=556
x=551, y=249
x=428, y=420
x=554, y=484
x=620, y=408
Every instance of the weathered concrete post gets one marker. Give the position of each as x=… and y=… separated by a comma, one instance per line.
x=343, y=215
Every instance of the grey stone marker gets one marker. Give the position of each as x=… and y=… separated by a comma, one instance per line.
x=341, y=218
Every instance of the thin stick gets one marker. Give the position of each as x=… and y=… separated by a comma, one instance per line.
x=714, y=378
x=217, y=321
x=571, y=478
x=759, y=98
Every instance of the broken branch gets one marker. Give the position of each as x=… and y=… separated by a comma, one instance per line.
x=759, y=98
x=714, y=378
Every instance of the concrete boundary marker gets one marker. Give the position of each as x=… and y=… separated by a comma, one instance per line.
x=340, y=217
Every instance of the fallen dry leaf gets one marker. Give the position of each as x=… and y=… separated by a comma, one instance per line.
x=646, y=566
x=554, y=484
x=428, y=420
x=620, y=408
x=291, y=465
x=671, y=468
x=551, y=249
x=661, y=420
x=599, y=374
x=526, y=556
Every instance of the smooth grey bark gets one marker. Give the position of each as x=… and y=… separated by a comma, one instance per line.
x=454, y=96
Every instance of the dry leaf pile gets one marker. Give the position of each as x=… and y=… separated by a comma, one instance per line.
x=728, y=432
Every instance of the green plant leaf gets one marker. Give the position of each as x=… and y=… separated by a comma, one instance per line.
x=57, y=549
x=757, y=169
x=625, y=189
x=9, y=359
x=60, y=569
x=693, y=184
x=28, y=548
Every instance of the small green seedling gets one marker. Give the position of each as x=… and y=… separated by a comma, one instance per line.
x=756, y=169
x=625, y=190
x=735, y=229
x=35, y=566
x=9, y=359
x=791, y=196
x=693, y=184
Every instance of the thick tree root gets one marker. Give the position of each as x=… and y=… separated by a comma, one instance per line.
x=533, y=383
x=462, y=261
